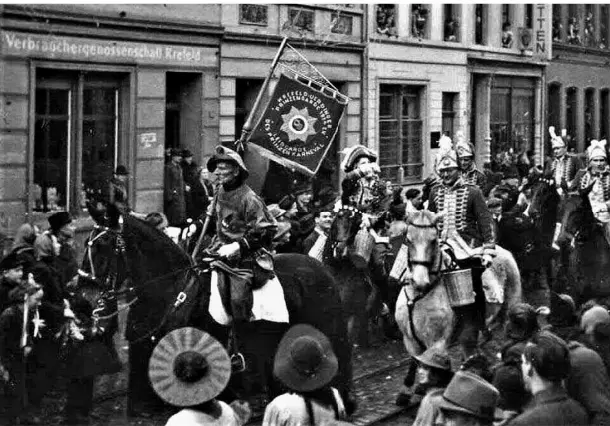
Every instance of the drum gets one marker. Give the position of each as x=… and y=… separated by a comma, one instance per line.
x=362, y=248
x=459, y=287
x=317, y=250
x=401, y=264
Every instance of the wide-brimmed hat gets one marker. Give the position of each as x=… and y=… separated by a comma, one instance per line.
x=121, y=171
x=58, y=220
x=354, y=153
x=189, y=367
x=11, y=261
x=469, y=394
x=305, y=360
x=592, y=317
x=435, y=358
x=222, y=153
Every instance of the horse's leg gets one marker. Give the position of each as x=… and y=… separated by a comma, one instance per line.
x=141, y=398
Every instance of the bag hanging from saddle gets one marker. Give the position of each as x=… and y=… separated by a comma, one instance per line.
x=235, y=288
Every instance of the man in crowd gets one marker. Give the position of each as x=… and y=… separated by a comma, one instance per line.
x=470, y=173
x=174, y=194
x=323, y=217
x=11, y=268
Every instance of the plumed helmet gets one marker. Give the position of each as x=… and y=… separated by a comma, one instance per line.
x=597, y=149
x=446, y=160
x=556, y=141
x=222, y=153
x=462, y=146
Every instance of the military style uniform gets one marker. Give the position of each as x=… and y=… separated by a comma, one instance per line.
x=563, y=170
x=474, y=177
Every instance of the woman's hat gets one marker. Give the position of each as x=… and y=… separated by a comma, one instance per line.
x=435, y=358
x=58, y=220
x=222, y=153
x=305, y=360
x=189, y=367
x=469, y=394
x=276, y=211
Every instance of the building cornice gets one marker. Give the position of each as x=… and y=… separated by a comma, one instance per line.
x=275, y=39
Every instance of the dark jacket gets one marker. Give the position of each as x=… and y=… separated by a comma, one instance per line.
x=173, y=197
x=5, y=288
x=571, y=165
x=552, y=407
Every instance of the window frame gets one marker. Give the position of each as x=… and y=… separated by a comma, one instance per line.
x=242, y=21
x=449, y=113
x=126, y=133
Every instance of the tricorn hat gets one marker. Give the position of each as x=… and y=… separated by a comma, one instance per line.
x=469, y=394
x=222, y=153
x=59, y=220
x=11, y=261
x=189, y=367
x=435, y=358
x=305, y=360
x=354, y=153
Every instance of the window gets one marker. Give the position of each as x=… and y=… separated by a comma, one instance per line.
x=480, y=11
x=512, y=115
x=571, y=111
x=557, y=26
x=449, y=113
x=419, y=21
x=505, y=13
x=603, y=27
x=452, y=23
x=77, y=134
x=400, y=132
x=386, y=20
x=589, y=30
x=341, y=24
x=573, y=30
x=507, y=29
x=301, y=19
x=589, y=119
x=603, y=114
x=253, y=14
x=529, y=15
x=553, y=99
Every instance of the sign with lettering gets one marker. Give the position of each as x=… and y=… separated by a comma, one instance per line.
x=97, y=50
x=298, y=125
x=148, y=139
x=542, y=32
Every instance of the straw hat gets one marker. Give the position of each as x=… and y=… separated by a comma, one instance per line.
x=189, y=367
x=305, y=360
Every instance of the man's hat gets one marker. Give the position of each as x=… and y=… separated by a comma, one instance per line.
x=189, y=367
x=59, y=220
x=522, y=321
x=563, y=310
x=556, y=141
x=469, y=394
x=592, y=317
x=186, y=153
x=121, y=171
x=446, y=160
x=11, y=261
x=300, y=186
x=597, y=149
x=462, y=146
x=175, y=152
x=327, y=198
x=305, y=360
x=354, y=153
x=435, y=358
x=222, y=153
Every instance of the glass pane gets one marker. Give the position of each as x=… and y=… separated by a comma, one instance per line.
x=386, y=105
x=99, y=144
x=411, y=141
x=99, y=101
x=410, y=105
x=58, y=101
x=388, y=142
x=41, y=101
x=253, y=14
x=51, y=140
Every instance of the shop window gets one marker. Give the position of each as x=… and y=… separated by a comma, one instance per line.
x=529, y=16
x=386, y=20
x=341, y=24
x=573, y=31
x=245, y=95
x=253, y=14
x=554, y=114
x=557, y=26
x=480, y=18
x=512, y=117
x=77, y=135
x=183, y=111
x=571, y=111
x=449, y=113
x=589, y=119
x=419, y=21
x=603, y=114
x=589, y=30
x=302, y=20
x=603, y=27
x=452, y=22
x=400, y=132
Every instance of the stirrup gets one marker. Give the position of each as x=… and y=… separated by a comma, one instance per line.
x=238, y=363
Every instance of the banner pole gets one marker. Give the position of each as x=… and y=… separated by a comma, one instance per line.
x=249, y=124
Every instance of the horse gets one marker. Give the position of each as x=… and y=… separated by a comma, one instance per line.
x=170, y=292
x=423, y=310
x=358, y=293
x=589, y=254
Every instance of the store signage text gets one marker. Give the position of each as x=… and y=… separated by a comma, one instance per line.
x=542, y=41
x=98, y=50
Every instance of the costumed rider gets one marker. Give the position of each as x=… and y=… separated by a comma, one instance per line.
x=594, y=182
x=244, y=235
x=562, y=169
x=445, y=143
x=466, y=224
x=470, y=174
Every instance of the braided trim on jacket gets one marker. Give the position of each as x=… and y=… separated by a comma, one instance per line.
x=605, y=180
x=461, y=204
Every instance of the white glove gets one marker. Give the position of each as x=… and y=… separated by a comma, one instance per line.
x=486, y=260
x=228, y=250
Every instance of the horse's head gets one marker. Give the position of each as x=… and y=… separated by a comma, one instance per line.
x=507, y=193
x=576, y=215
x=343, y=230
x=422, y=240
x=544, y=203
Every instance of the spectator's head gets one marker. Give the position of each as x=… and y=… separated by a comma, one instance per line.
x=176, y=155
x=157, y=220
x=478, y=364
x=47, y=246
x=591, y=319
x=121, y=173
x=27, y=291
x=509, y=382
x=506, y=26
x=187, y=156
x=11, y=268
x=522, y=322
x=545, y=361
x=26, y=234
x=58, y=221
x=303, y=192
x=495, y=206
x=415, y=196
x=563, y=311
x=433, y=369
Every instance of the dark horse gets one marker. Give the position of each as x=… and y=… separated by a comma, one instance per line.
x=171, y=292
x=589, y=253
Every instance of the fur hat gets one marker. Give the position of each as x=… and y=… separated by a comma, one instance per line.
x=556, y=141
x=462, y=146
x=469, y=394
x=222, y=153
x=353, y=154
x=58, y=220
x=447, y=160
x=597, y=149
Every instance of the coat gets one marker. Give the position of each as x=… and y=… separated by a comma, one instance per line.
x=552, y=407
x=173, y=196
x=569, y=165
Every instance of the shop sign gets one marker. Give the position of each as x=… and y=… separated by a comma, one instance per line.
x=542, y=44
x=97, y=50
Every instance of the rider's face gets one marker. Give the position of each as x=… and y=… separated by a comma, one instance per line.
x=226, y=172
x=466, y=162
x=450, y=175
x=598, y=164
x=559, y=151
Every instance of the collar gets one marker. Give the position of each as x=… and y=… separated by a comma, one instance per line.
x=320, y=230
x=458, y=183
x=555, y=393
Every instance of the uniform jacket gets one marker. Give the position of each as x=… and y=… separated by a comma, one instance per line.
x=174, y=201
x=569, y=165
x=476, y=178
x=366, y=194
x=552, y=407
x=464, y=208
x=584, y=178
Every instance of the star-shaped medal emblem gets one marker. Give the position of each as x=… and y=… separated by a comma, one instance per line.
x=298, y=124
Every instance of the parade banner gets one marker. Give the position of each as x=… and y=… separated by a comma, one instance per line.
x=299, y=124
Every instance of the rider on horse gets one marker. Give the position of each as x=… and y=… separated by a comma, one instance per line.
x=467, y=221
x=594, y=182
x=470, y=174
